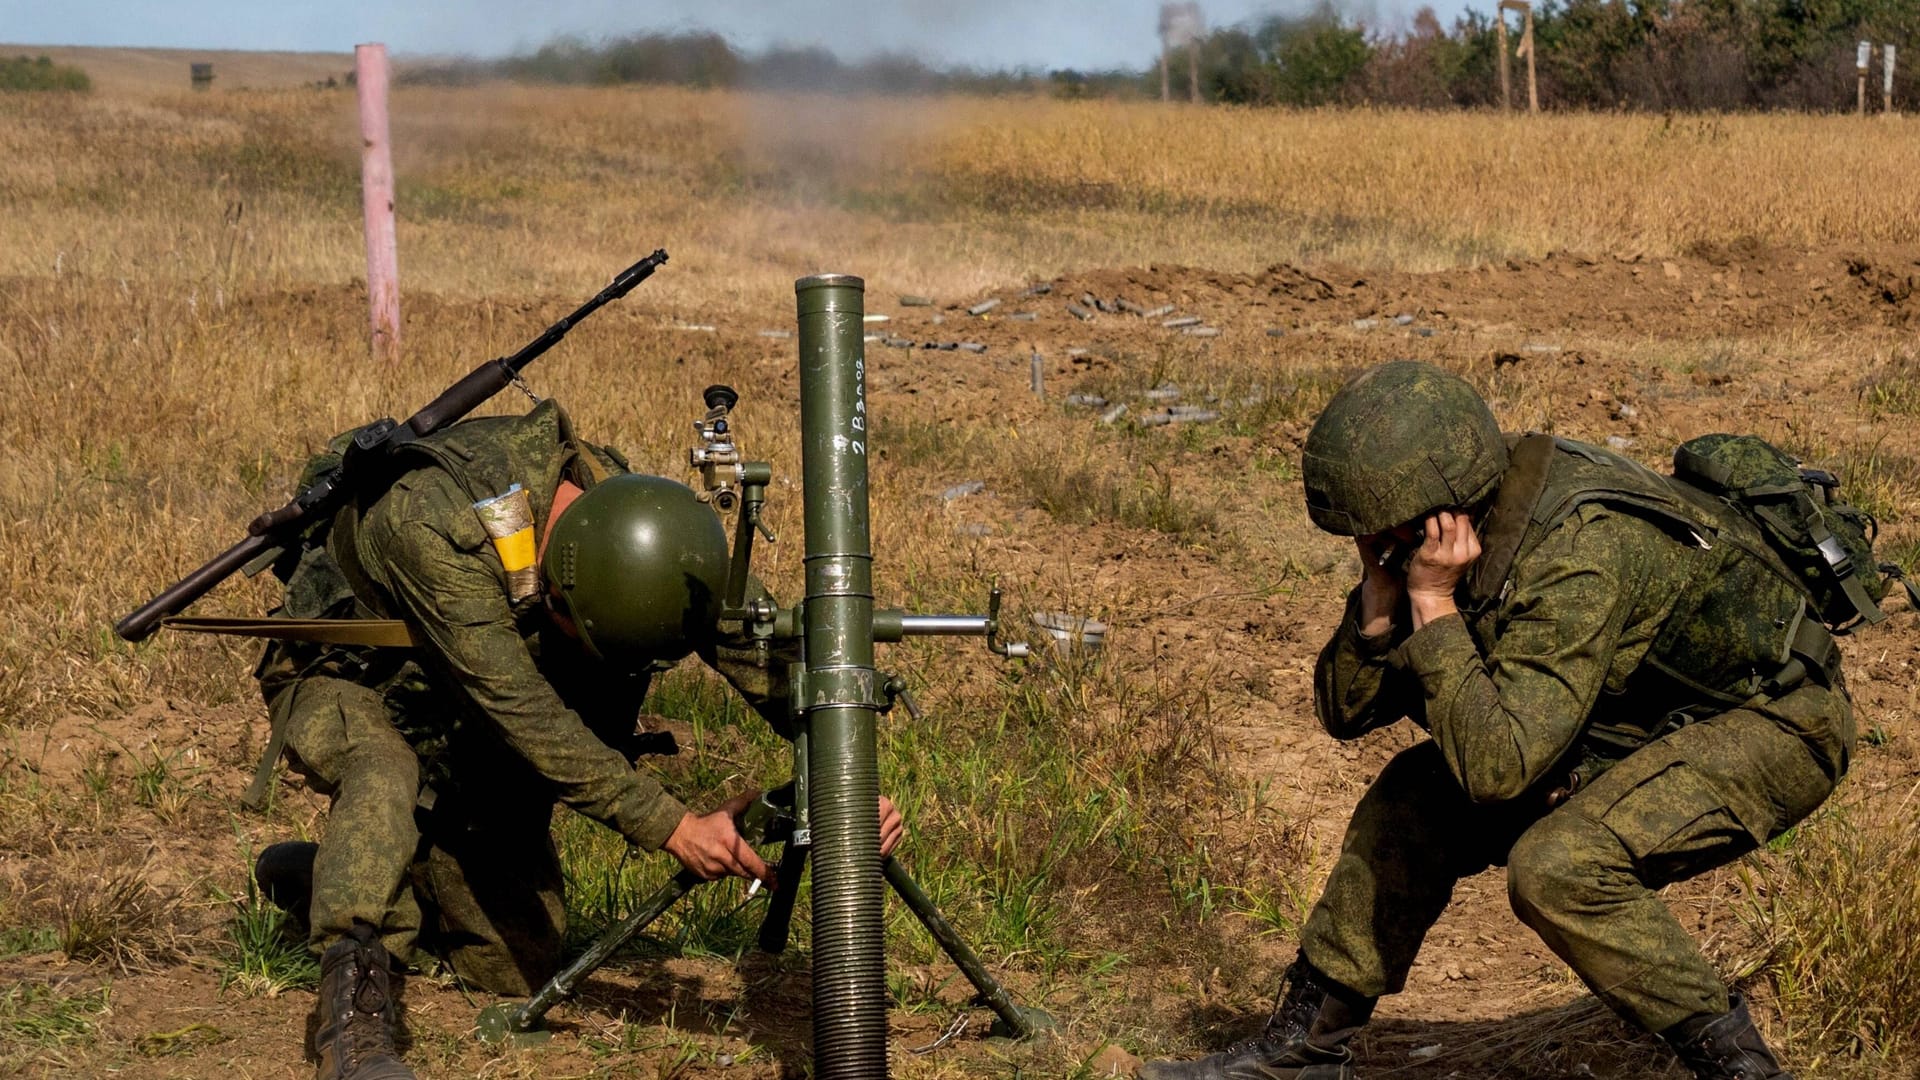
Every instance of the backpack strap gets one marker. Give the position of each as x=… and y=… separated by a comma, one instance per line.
x=377, y=633
x=1845, y=573
x=1812, y=653
x=1892, y=572
x=1509, y=521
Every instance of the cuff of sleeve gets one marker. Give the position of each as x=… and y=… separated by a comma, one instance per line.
x=1439, y=649
x=652, y=821
x=1370, y=648
x=1367, y=648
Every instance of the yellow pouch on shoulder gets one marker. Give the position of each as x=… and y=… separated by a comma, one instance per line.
x=508, y=519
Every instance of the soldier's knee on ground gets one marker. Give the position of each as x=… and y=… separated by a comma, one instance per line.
x=498, y=912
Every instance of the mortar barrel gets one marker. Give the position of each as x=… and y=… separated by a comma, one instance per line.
x=849, y=948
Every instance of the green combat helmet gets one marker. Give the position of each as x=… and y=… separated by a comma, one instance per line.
x=1397, y=443
x=637, y=564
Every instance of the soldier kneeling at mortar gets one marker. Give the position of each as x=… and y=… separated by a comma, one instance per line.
x=542, y=582
x=1624, y=690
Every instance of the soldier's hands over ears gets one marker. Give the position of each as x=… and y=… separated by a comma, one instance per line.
x=1450, y=550
x=711, y=846
x=1380, y=588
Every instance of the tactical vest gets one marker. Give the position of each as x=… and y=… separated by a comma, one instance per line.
x=484, y=457
x=1741, y=626
x=323, y=578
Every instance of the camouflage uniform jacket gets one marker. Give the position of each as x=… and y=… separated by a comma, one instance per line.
x=1610, y=605
x=495, y=696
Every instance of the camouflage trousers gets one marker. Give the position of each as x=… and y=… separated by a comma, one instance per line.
x=1582, y=875
x=477, y=885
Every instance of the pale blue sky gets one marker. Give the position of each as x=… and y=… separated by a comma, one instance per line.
x=997, y=33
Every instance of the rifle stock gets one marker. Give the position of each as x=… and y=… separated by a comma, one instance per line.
x=144, y=620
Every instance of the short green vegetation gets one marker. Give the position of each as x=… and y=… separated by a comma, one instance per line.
x=41, y=73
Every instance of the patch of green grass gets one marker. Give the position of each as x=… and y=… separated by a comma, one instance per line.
x=275, y=156
x=1280, y=910
x=731, y=750
x=1883, y=482
x=1893, y=386
x=918, y=991
x=157, y=784
x=265, y=953
x=21, y=940
x=39, y=1022
x=1842, y=973
x=912, y=443
x=1140, y=496
x=41, y=73
x=472, y=201
x=1904, y=553
x=116, y=918
x=1039, y=826
x=97, y=773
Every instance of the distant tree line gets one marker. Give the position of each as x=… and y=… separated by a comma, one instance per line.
x=41, y=73
x=1590, y=54
x=708, y=60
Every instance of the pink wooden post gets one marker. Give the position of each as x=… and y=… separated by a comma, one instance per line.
x=376, y=198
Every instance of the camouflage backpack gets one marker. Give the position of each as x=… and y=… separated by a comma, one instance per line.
x=1826, y=543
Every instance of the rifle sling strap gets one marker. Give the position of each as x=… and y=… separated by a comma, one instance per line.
x=376, y=633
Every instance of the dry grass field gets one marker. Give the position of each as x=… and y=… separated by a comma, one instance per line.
x=1133, y=841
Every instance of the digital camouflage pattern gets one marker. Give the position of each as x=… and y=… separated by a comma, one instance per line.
x=1827, y=544
x=1395, y=443
x=1613, y=644
x=443, y=763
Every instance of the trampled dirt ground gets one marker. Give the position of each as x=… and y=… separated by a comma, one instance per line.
x=1643, y=351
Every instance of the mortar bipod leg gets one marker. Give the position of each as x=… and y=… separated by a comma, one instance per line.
x=1017, y=1021
x=777, y=925
x=500, y=1022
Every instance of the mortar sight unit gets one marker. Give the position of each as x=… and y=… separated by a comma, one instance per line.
x=824, y=818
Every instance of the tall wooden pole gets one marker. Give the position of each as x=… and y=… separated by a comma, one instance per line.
x=1526, y=49
x=376, y=199
x=1533, y=81
x=1166, y=89
x=1506, y=74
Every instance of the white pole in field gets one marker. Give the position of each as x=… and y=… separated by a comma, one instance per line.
x=376, y=199
x=1860, y=60
x=1886, y=78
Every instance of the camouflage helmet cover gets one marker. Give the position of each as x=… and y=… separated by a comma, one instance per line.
x=637, y=564
x=1396, y=443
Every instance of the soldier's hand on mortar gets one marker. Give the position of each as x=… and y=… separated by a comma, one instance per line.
x=893, y=827
x=711, y=846
x=1452, y=545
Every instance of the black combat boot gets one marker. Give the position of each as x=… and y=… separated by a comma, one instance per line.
x=284, y=872
x=1305, y=1038
x=358, y=1015
x=1725, y=1047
